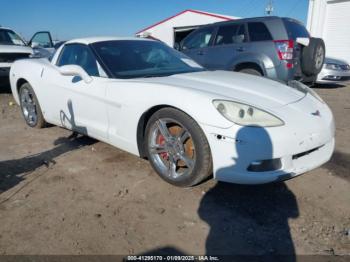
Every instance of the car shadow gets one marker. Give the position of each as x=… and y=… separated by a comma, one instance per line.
x=249, y=220
x=329, y=86
x=14, y=171
x=247, y=223
x=69, y=121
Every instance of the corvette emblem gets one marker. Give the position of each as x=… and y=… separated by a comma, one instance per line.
x=316, y=113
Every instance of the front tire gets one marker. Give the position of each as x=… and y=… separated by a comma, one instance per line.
x=177, y=148
x=30, y=107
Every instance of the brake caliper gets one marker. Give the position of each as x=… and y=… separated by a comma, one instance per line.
x=161, y=141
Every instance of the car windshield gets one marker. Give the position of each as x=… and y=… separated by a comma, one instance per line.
x=143, y=58
x=8, y=37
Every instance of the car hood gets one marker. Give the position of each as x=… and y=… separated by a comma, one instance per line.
x=239, y=87
x=15, y=49
x=331, y=60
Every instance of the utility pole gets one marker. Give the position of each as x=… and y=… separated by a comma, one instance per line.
x=269, y=8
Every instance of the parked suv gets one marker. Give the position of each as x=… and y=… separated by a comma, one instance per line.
x=13, y=47
x=275, y=47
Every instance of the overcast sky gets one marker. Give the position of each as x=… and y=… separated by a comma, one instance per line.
x=68, y=19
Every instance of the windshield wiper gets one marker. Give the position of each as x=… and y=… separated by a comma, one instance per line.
x=159, y=75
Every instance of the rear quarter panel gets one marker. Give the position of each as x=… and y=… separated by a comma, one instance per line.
x=260, y=53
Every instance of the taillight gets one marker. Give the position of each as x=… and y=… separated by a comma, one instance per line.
x=284, y=49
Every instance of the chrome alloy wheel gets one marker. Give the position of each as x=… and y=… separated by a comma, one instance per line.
x=171, y=148
x=28, y=106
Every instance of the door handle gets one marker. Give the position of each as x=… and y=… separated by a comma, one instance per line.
x=240, y=49
x=200, y=53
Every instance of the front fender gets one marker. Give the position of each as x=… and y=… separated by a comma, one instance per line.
x=128, y=101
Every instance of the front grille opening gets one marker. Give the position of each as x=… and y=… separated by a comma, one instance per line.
x=306, y=153
x=265, y=165
x=332, y=77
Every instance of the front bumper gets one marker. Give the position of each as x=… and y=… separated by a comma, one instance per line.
x=304, y=143
x=328, y=76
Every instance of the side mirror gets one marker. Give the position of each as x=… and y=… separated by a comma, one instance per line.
x=42, y=39
x=75, y=70
x=34, y=45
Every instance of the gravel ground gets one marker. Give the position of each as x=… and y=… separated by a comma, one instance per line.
x=66, y=194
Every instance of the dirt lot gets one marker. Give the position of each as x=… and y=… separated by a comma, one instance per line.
x=62, y=194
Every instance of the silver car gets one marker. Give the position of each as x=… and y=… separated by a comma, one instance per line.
x=333, y=71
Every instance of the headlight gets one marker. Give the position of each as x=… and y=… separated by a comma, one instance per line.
x=333, y=66
x=246, y=115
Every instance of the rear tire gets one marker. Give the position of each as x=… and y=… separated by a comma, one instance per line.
x=250, y=71
x=177, y=148
x=30, y=107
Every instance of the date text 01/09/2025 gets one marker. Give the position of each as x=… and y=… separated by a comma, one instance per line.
x=172, y=258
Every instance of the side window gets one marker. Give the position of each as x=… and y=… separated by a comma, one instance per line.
x=241, y=35
x=295, y=29
x=198, y=39
x=15, y=38
x=81, y=55
x=258, y=32
x=230, y=34
x=8, y=37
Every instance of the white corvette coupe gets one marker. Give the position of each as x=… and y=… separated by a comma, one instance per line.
x=152, y=101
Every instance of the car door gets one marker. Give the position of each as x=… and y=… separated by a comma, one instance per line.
x=81, y=106
x=229, y=42
x=196, y=44
x=42, y=42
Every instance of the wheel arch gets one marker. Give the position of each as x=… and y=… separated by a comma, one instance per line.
x=19, y=82
x=142, y=123
x=253, y=65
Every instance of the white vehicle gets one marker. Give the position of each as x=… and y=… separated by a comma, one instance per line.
x=152, y=101
x=334, y=71
x=13, y=47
